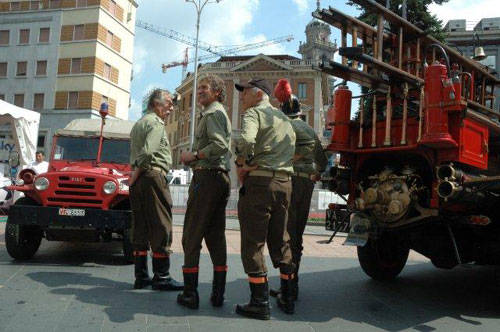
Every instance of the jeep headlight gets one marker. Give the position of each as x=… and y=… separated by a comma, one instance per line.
x=41, y=183
x=124, y=185
x=109, y=187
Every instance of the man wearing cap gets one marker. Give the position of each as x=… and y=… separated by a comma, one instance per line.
x=208, y=193
x=264, y=165
x=151, y=158
x=309, y=162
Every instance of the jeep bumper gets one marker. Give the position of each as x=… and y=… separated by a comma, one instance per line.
x=45, y=216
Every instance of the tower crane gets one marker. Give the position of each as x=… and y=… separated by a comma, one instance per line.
x=229, y=51
x=216, y=51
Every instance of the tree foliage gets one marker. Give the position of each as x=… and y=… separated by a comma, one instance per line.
x=417, y=13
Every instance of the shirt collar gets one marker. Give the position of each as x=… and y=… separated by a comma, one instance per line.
x=155, y=116
x=211, y=108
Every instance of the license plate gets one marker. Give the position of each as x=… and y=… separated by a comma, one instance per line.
x=72, y=212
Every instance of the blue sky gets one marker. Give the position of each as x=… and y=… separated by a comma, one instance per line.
x=234, y=22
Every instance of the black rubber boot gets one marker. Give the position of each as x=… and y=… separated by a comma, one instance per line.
x=285, y=298
x=294, y=289
x=258, y=307
x=162, y=280
x=189, y=297
x=142, y=278
x=218, y=286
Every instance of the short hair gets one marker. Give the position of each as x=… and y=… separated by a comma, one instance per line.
x=265, y=96
x=157, y=96
x=40, y=152
x=216, y=85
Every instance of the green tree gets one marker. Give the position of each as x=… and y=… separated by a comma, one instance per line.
x=417, y=13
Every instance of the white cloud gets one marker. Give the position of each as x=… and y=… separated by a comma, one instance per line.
x=472, y=11
x=301, y=5
x=135, y=111
x=140, y=58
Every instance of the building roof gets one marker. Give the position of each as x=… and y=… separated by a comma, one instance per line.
x=247, y=57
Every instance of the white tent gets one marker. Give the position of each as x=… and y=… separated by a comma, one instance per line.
x=24, y=125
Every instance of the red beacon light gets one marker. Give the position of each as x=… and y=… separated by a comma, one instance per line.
x=104, y=110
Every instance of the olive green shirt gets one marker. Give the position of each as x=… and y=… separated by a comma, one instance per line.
x=149, y=144
x=267, y=138
x=308, y=146
x=213, y=138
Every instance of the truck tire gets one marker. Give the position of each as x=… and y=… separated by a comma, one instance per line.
x=22, y=241
x=383, y=259
x=128, y=251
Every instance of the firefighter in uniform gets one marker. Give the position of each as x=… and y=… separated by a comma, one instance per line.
x=309, y=162
x=151, y=158
x=208, y=194
x=264, y=165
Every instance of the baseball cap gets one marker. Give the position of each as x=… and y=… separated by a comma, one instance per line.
x=255, y=83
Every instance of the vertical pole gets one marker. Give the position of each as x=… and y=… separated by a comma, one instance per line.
x=344, y=44
x=195, y=81
x=361, y=120
x=417, y=67
x=420, y=113
x=388, y=118
x=374, y=121
x=380, y=37
x=354, y=44
x=405, y=114
x=400, y=49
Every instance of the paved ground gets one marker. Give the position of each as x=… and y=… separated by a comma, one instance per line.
x=69, y=287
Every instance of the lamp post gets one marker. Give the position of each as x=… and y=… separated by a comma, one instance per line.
x=199, y=4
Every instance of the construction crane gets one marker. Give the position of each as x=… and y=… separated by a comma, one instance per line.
x=177, y=36
x=182, y=63
x=229, y=51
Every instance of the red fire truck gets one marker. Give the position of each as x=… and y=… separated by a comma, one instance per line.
x=420, y=160
x=83, y=197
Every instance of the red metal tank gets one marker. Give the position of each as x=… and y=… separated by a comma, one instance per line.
x=342, y=113
x=436, y=132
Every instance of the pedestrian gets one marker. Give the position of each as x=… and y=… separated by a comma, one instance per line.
x=264, y=166
x=39, y=166
x=151, y=159
x=309, y=162
x=208, y=193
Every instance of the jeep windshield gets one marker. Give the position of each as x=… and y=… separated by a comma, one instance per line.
x=85, y=148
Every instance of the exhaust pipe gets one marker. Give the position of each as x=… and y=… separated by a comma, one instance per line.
x=449, y=173
x=448, y=189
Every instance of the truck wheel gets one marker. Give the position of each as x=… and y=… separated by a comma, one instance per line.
x=383, y=259
x=22, y=241
x=128, y=251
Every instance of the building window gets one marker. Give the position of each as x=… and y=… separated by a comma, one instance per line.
x=41, y=142
x=22, y=68
x=107, y=71
x=73, y=99
x=35, y=5
x=79, y=32
x=19, y=99
x=38, y=101
x=2, y=97
x=24, y=36
x=112, y=7
x=302, y=91
x=41, y=68
x=44, y=35
x=109, y=39
x=55, y=3
x=15, y=5
x=76, y=66
x=81, y=3
x=4, y=37
x=3, y=69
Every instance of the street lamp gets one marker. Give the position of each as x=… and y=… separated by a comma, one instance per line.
x=199, y=4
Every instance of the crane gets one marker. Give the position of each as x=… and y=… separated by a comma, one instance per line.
x=225, y=52
x=177, y=36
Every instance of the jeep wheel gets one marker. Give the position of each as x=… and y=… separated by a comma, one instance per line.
x=128, y=251
x=22, y=241
x=383, y=259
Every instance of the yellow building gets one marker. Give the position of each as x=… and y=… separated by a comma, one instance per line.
x=66, y=57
